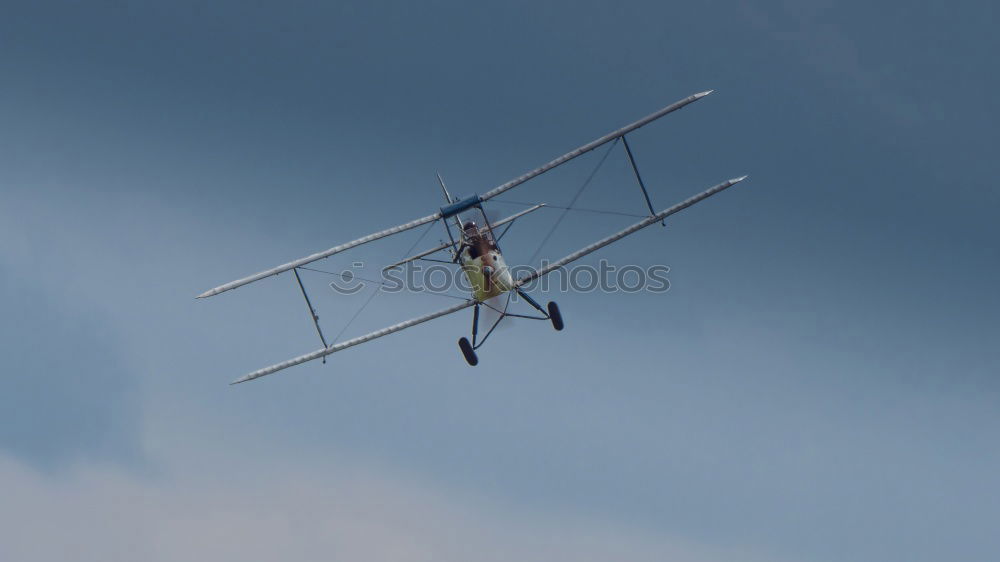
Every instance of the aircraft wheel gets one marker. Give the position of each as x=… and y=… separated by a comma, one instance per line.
x=555, y=316
x=468, y=352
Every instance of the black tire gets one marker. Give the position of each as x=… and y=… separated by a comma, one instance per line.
x=468, y=352
x=555, y=316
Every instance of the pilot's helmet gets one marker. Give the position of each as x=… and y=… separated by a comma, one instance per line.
x=469, y=225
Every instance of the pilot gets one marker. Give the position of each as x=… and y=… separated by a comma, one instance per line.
x=478, y=243
x=473, y=240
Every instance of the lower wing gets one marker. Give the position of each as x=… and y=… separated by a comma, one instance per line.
x=352, y=342
x=652, y=219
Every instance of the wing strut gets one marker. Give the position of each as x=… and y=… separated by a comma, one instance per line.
x=312, y=311
x=631, y=160
x=592, y=145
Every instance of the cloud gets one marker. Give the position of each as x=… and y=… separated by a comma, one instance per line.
x=338, y=513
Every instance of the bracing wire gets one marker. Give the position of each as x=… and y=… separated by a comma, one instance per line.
x=577, y=209
x=565, y=211
x=579, y=192
x=346, y=274
x=342, y=274
x=380, y=285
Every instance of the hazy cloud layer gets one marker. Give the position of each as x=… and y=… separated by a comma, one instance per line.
x=339, y=513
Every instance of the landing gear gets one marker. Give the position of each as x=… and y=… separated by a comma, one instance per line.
x=468, y=352
x=549, y=312
x=555, y=316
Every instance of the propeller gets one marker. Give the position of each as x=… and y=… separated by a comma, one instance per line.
x=490, y=313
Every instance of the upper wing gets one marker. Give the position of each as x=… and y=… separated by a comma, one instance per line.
x=632, y=229
x=352, y=342
x=319, y=255
x=592, y=145
x=458, y=207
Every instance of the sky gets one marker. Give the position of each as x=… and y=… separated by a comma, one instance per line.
x=820, y=383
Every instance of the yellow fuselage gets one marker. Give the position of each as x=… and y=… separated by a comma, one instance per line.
x=487, y=274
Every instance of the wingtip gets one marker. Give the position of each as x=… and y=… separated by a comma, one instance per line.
x=739, y=179
x=700, y=95
x=239, y=380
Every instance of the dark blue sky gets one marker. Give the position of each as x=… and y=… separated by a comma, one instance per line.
x=819, y=384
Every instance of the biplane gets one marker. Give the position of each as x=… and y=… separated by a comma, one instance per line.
x=476, y=249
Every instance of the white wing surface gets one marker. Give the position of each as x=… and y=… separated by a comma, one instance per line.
x=353, y=342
